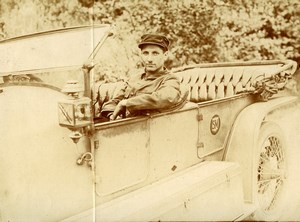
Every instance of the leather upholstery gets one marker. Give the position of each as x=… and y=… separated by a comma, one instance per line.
x=206, y=84
x=215, y=83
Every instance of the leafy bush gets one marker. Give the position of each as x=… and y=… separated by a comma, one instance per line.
x=200, y=31
x=259, y=30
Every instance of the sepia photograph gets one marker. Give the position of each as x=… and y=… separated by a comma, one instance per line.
x=149, y=110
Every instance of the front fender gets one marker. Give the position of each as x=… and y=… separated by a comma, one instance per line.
x=40, y=180
x=242, y=143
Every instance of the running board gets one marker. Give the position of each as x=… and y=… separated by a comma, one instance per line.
x=208, y=191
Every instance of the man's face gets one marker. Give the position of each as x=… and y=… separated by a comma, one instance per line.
x=153, y=58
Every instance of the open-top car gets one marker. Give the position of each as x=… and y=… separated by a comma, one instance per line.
x=220, y=157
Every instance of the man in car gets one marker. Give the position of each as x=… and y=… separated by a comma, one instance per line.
x=155, y=90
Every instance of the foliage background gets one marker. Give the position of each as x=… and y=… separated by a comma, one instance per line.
x=200, y=31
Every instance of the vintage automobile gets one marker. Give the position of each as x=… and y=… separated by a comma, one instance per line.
x=220, y=157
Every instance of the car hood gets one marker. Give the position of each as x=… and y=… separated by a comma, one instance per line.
x=63, y=48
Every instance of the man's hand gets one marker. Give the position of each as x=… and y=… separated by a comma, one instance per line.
x=119, y=109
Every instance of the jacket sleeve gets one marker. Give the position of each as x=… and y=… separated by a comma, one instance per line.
x=165, y=96
x=109, y=106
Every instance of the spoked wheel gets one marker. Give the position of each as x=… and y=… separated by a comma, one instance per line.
x=271, y=172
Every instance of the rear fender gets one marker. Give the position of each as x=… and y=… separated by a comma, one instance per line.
x=242, y=143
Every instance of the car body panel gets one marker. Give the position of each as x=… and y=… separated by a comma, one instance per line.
x=39, y=176
x=122, y=159
x=245, y=151
x=171, y=165
x=217, y=119
x=135, y=152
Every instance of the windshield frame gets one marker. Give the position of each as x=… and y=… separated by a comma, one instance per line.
x=46, y=68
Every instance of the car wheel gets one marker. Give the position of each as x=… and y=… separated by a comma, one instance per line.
x=270, y=172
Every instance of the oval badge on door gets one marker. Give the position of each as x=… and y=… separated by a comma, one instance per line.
x=215, y=124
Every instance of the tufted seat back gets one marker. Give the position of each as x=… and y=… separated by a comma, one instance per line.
x=215, y=83
x=208, y=83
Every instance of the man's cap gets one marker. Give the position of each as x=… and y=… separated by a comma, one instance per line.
x=154, y=39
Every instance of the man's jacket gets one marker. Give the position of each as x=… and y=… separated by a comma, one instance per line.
x=149, y=94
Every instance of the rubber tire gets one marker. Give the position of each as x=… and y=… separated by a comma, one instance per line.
x=267, y=130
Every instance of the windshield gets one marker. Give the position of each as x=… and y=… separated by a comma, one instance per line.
x=116, y=60
x=56, y=57
x=54, y=49
x=49, y=58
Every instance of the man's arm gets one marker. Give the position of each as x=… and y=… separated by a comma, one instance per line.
x=167, y=95
x=109, y=106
